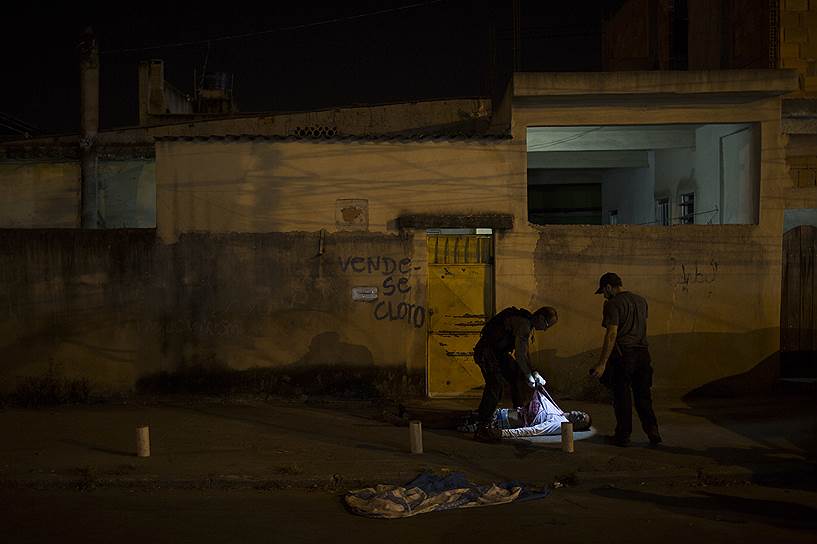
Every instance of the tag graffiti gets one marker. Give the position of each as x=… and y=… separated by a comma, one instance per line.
x=402, y=311
x=397, y=273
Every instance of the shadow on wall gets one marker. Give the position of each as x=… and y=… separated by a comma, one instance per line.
x=330, y=367
x=760, y=379
x=714, y=363
x=326, y=349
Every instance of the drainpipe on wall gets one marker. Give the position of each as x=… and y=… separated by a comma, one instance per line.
x=91, y=213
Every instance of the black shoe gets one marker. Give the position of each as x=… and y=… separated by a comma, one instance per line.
x=620, y=441
x=653, y=434
x=486, y=433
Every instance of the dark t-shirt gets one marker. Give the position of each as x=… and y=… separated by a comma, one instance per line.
x=503, y=333
x=629, y=312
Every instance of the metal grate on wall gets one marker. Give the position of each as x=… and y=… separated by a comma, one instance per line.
x=460, y=249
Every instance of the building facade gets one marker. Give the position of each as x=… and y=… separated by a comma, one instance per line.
x=380, y=256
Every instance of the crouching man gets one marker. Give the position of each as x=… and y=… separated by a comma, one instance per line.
x=508, y=331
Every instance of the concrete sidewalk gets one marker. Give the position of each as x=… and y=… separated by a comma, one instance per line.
x=342, y=445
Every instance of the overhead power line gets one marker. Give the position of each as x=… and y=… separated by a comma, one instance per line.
x=273, y=30
x=12, y=123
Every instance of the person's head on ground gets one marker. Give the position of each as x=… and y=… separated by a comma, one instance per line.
x=609, y=285
x=581, y=420
x=544, y=318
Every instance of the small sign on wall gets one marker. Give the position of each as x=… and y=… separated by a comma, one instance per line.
x=364, y=294
x=352, y=214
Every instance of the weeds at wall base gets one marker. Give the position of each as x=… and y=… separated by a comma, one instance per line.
x=49, y=390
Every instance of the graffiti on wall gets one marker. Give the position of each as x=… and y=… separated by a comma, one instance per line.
x=688, y=274
x=396, y=285
x=193, y=327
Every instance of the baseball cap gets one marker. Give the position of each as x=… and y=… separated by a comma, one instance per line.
x=610, y=278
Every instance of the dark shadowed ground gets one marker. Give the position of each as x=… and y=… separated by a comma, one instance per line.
x=740, y=470
x=597, y=514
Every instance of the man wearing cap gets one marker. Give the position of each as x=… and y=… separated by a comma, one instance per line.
x=625, y=364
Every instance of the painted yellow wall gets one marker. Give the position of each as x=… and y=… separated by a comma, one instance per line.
x=248, y=187
x=293, y=186
x=714, y=291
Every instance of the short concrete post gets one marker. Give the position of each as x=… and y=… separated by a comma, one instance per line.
x=567, y=437
x=143, y=441
x=416, y=436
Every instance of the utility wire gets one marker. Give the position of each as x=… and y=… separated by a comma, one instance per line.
x=17, y=122
x=273, y=30
x=15, y=129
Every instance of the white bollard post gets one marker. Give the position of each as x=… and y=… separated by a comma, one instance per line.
x=567, y=437
x=143, y=441
x=416, y=436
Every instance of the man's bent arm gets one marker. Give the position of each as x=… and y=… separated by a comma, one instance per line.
x=521, y=350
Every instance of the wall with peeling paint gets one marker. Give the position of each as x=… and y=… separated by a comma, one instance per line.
x=117, y=306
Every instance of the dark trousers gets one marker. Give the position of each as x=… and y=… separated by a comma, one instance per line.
x=631, y=380
x=497, y=370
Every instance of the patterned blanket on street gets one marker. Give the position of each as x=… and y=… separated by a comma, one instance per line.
x=430, y=492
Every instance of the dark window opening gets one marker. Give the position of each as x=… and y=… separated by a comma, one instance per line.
x=679, y=35
x=565, y=204
x=659, y=175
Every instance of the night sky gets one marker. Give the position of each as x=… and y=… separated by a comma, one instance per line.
x=348, y=53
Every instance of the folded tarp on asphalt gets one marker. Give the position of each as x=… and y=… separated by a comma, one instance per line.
x=430, y=492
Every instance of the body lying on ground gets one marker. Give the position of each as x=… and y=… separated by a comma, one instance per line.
x=542, y=416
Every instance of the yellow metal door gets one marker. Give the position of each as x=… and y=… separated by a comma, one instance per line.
x=460, y=300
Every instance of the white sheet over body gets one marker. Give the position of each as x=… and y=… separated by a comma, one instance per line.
x=541, y=417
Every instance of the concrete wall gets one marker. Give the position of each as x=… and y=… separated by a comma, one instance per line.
x=798, y=42
x=739, y=178
x=798, y=51
x=630, y=191
x=732, y=200
x=116, y=306
x=445, y=115
x=708, y=169
x=39, y=194
x=253, y=265
x=239, y=274
x=46, y=194
x=714, y=290
x=674, y=170
x=129, y=193
x=267, y=186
